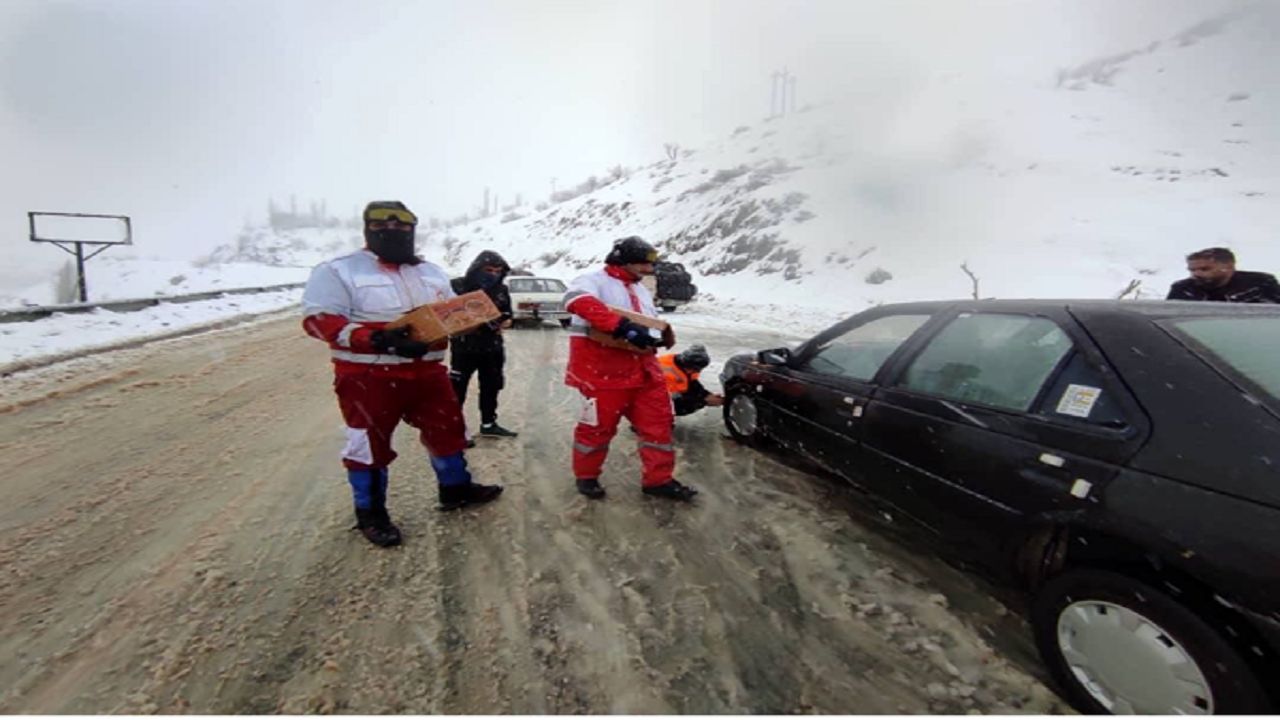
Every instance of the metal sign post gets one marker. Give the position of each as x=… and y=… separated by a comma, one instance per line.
x=80, y=229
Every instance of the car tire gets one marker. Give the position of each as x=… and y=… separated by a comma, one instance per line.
x=668, y=308
x=565, y=322
x=1117, y=645
x=741, y=418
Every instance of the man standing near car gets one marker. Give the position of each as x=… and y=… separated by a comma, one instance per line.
x=1214, y=277
x=617, y=382
x=384, y=376
x=481, y=351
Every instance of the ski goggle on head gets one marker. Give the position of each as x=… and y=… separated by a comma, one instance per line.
x=387, y=214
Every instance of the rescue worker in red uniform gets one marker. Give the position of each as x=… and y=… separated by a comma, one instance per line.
x=616, y=382
x=681, y=371
x=383, y=376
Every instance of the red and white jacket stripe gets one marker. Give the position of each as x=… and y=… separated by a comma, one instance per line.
x=349, y=297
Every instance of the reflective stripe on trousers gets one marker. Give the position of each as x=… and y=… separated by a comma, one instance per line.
x=649, y=409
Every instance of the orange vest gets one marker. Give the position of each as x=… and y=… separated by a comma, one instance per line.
x=677, y=379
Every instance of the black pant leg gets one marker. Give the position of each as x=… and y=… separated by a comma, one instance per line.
x=461, y=367
x=491, y=381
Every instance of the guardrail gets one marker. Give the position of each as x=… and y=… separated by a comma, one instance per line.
x=28, y=314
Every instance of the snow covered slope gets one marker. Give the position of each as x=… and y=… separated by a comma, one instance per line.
x=258, y=257
x=1101, y=175
x=1108, y=173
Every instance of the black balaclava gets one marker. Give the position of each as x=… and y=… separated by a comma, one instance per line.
x=477, y=277
x=395, y=246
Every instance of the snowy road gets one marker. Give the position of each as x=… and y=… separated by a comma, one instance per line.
x=174, y=537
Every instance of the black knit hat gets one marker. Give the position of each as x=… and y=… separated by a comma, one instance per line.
x=695, y=358
x=630, y=250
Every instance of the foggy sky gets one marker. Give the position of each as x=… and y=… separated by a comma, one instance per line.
x=189, y=114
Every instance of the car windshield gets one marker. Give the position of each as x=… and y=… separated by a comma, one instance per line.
x=1246, y=346
x=526, y=285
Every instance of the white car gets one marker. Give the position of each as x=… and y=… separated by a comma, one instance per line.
x=537, y=299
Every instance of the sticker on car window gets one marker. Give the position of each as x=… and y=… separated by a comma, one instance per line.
x=1078, y=400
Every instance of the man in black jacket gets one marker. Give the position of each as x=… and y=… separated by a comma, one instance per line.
x=1214, y=277
x=481, y=350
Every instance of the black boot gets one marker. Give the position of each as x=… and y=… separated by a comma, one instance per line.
x=377, y=528
x=673, y=490
x=453, y=497
x=380, y=517
x=591, y=488
x=493, y=429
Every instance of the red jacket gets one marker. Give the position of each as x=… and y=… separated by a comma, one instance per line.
x=593, y=366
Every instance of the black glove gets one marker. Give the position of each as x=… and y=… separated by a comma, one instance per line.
x=398, y=342
x=635, y=334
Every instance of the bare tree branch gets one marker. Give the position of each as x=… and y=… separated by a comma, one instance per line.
x=1131, y=288
x=965, y=267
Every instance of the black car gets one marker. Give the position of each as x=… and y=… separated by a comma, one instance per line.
x=1118, y=460
x=673, y=285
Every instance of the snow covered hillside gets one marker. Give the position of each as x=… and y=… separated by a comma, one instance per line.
x=125, y=276
x=1102, y=175
x=1109, y=172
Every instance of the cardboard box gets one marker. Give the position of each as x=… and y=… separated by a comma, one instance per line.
x=439, y=320
x=662, y=326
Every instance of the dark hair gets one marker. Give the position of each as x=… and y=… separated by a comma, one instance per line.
x=1221, y=255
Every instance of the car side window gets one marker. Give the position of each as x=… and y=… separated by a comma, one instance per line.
x=994, y=359
x=859, y=353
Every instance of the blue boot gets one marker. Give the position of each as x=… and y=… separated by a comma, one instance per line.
x=369, y=491
x=456, y=488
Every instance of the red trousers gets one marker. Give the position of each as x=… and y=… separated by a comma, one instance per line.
x=373, y=404
x=649, y=410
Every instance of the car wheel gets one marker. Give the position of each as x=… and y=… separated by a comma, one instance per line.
x=668, y=308
x=565, y=322
x=1119, y=646
x=742, y=417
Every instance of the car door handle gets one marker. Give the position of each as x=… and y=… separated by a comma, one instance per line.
x=1045, y=477
x=854, y=409
x=1058, y=479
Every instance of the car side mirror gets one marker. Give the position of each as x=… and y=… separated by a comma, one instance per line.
x=776, y=356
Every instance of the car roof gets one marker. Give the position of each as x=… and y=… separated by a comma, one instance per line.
x=1150, y=308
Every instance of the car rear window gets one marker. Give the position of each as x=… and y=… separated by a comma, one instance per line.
x=535, y=285
x=1247, y=346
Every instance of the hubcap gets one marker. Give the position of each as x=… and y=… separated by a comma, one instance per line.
x=742, y=414
x=1128, y=663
